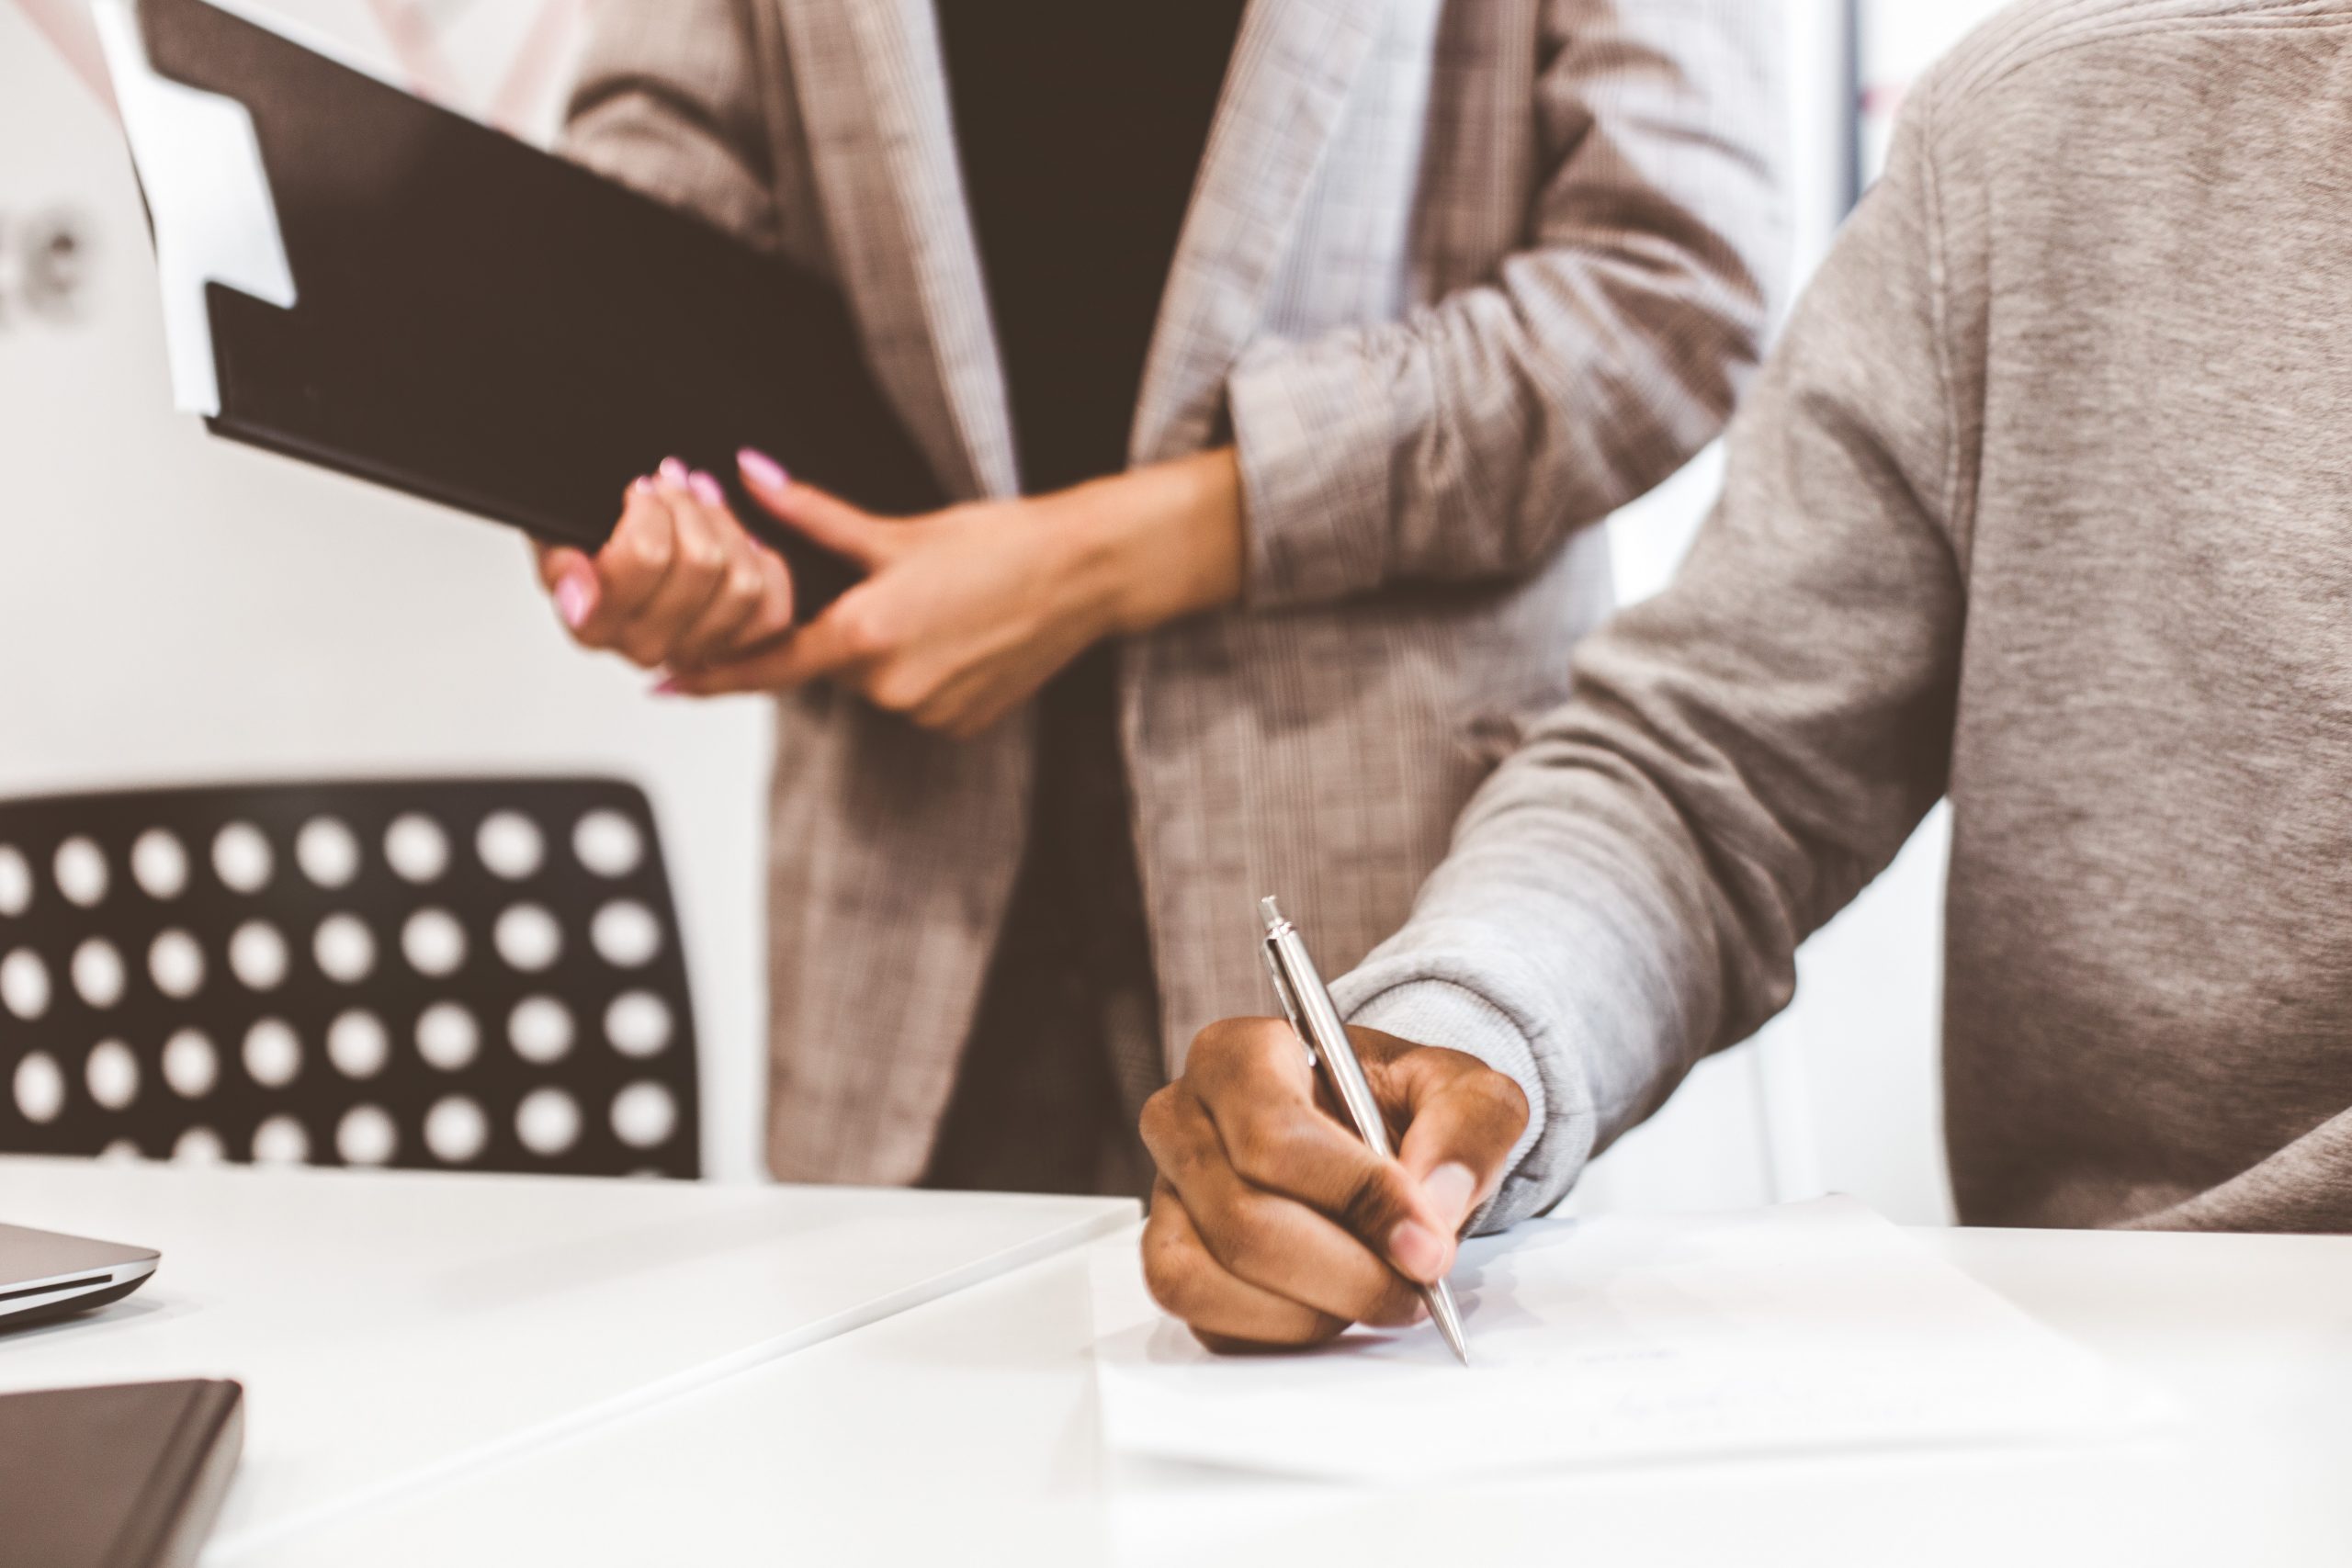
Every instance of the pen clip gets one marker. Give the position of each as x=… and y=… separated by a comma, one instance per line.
x=1289, y=999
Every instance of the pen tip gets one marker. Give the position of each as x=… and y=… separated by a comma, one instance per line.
x=1268, y=907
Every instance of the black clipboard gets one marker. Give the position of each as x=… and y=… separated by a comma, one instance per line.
x=488, y=326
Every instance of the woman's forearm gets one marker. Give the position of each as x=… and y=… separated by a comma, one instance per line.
x=1156, y=543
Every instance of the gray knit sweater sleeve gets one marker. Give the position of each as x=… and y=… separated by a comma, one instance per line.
x=1744, y=752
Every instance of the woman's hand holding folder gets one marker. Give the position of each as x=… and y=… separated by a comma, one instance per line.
x=679, y=584
x=962, y=614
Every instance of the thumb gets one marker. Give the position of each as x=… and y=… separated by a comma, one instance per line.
x=556, y=562
x=1465, y=1120
x=571, y=578
x=826, y=519
x=1402, y=1220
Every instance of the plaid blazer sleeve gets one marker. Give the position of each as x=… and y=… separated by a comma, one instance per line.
x=1467, y=439
x=671, y=101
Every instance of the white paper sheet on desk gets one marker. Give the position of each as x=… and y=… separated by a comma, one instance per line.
x=1811, y=1326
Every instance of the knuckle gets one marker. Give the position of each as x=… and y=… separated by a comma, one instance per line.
x=1506, y=1090
x=1165, y=1279
x=1262, y=1146
x=1487, y=1102
x=1171, y=1272
x=746, y=584
x=1185, y=1156
x=1502, y=1095
x=895, y=691
x=1173, y=1132
x=1222, y=1045
x=1157, y=1113
x=704, y=556
x=643, y=647
x=864, y=633
x=1213, y=1041
x=1238, y=1054
x=646, y=552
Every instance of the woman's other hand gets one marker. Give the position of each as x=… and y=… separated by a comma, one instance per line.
x=964, y=613
x=679, y=585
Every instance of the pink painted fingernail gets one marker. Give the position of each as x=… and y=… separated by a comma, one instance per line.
x=673, y=471
x=706, y=489
x=640, y=486
x=575, y=598
x=668, y=688
x=762, y=469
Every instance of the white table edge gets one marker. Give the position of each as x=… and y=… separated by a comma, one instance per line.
x=519, y=1444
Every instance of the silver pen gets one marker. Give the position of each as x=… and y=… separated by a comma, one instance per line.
x=1317, y=1021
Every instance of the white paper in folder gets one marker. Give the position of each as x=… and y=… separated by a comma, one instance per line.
x=1814, y=1326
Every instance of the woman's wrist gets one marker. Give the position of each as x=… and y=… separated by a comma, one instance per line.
x=1157, y=544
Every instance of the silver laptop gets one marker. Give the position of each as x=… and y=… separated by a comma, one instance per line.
x=44, y=1275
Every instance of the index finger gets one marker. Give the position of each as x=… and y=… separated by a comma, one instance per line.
x=636, y=558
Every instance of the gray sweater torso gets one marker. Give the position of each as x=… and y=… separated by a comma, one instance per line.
x=2046, y=504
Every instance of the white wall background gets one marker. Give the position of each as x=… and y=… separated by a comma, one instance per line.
x=176, y=608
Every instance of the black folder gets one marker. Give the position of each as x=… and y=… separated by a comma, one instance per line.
x=128, y=1476
x=486, y=325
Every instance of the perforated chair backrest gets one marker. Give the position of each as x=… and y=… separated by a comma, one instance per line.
x=469, y=974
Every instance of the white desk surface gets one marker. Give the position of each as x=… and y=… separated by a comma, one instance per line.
x=964, y=1432
x=391, y=1328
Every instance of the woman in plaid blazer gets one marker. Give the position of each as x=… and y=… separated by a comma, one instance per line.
x=1284, y=358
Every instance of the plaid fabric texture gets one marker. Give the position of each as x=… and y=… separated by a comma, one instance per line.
x=1459, y=278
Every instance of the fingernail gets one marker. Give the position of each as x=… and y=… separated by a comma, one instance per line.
x=762, y=469
x=673, y=471
x=1451, y=1190
x=706, y=489
x=1415, y=1248
x=640, y=486
x=668, y=688
x=575, y=598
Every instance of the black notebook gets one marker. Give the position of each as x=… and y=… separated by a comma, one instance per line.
x=477, y=322
x=130, y=1476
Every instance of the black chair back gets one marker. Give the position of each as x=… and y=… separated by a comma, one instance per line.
x=440, y=973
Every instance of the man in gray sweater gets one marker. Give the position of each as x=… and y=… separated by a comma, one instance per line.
x=2044, y=506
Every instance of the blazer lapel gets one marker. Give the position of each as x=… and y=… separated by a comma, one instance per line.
x=1294, y=67
x=881, y=139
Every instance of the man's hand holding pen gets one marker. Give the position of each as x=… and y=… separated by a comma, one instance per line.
x=1272, y=1223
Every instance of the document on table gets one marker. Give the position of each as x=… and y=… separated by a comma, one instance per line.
x=1812, y=1327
